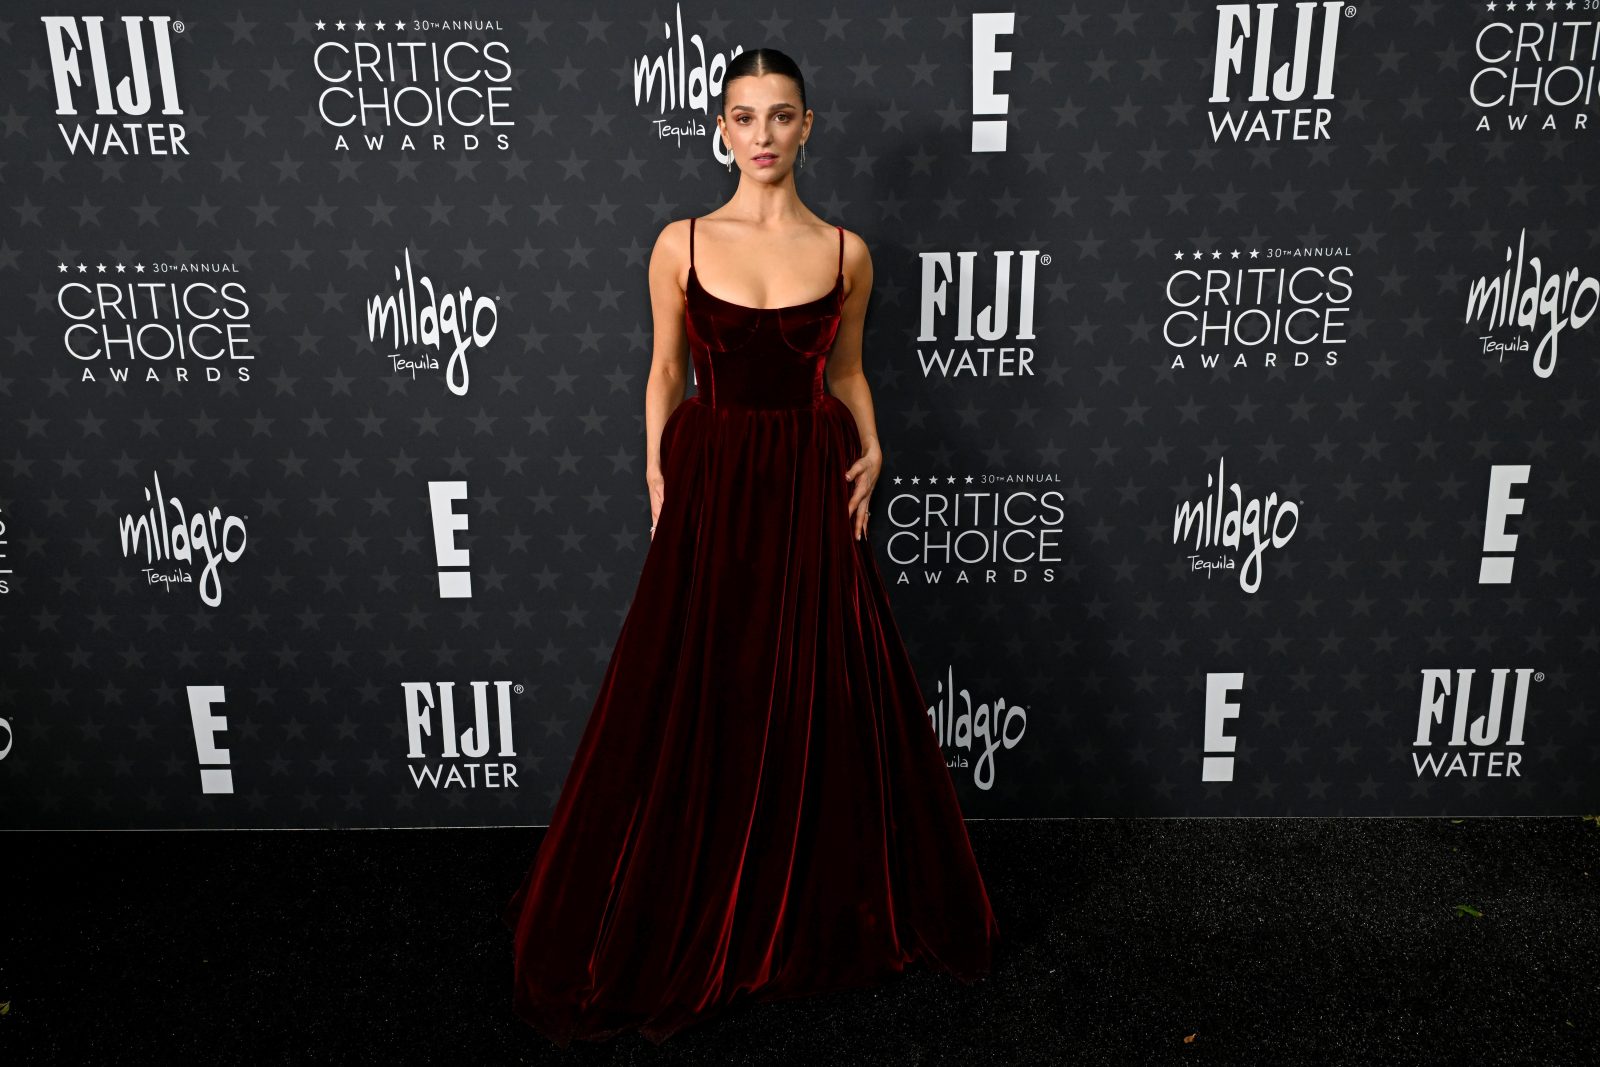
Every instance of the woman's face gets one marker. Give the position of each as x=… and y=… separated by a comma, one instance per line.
x=761, y=117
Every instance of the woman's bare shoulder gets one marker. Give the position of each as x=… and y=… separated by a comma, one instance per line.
x=671, y=249
x=856, y=254
x=852, y=241
x=674, y=234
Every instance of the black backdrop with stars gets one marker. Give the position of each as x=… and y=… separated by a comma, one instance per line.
x=1112, y=179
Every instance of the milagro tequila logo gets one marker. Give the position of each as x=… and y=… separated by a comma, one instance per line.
x=169, y=533
x=680, y=80
x=1214, y=521
x=1249, y=38
x=984, y=317
x=125, y=101
x=414, y=323
x=1476, y=747
x=442, y=87
x=959, y=723
x=443, y=753
x=1524, y=296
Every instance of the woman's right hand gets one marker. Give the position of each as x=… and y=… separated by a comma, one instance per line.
x=657, y=484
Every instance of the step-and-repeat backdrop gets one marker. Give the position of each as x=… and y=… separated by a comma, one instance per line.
x=1234, y=366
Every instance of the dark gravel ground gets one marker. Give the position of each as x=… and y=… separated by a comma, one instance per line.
x=1151, y=941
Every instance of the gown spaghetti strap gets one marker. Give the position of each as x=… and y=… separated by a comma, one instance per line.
x=758, y=807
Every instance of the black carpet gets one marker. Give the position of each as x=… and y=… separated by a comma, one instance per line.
x=1226, y=941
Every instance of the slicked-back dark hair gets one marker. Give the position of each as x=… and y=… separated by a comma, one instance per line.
x=759, y=61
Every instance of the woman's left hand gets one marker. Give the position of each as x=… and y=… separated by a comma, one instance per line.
x=864, y=473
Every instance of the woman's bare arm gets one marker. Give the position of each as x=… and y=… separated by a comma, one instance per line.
x=848, y=382
x=669, y=357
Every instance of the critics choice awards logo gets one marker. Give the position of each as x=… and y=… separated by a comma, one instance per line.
x=990, y=528
x=1260, y=309
x=413, y=85
x=155, y=322
x=1534, y=66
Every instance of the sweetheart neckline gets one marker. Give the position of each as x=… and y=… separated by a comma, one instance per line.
x=695, y=277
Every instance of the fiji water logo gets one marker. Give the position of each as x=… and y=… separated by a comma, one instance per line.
x=1246, y=46
x=1479, y=745
x=469, y=749
x=131, y=100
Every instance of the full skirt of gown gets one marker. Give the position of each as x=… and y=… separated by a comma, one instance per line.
x=758, y=807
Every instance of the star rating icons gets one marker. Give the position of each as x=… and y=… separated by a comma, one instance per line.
x=1510, y=7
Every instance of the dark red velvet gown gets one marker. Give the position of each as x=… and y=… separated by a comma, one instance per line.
x=758, y=807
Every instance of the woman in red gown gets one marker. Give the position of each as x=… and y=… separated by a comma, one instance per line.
x=758, y=807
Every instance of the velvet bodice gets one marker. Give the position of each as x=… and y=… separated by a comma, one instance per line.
x=760, y=357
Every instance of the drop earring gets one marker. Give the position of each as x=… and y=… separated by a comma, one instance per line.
x=802, y=153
